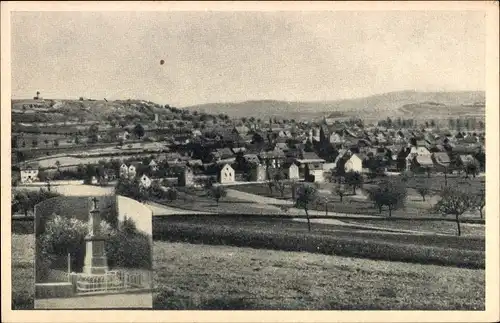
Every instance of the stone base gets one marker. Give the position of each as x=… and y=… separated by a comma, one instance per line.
x=94, y=270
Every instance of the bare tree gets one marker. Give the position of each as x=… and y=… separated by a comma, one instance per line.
x=217, y=192
x=306, y=195
x=423, y=191
x=454, y=202
x=279, y=181
x=479, y=202
x=340, y=191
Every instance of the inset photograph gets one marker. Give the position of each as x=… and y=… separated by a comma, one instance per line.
x=93, y=253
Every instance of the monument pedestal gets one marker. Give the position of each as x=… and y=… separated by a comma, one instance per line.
x=95, y=262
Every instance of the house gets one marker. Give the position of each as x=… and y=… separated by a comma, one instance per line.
x=241, y=130
x=441, y=161
x=335, y=138
x=123, y=170
x=145, y=181
x=132, y=170
x=354, y=163
x=422, y=163
x=196, y=133
x=292, y=171
x=186, y=177
x=222, y=154
x=273, y=158
x=225, y=174
x=467, y=159
x=153, y=165
x=29, y=173
x=314, y=173
x=251, y=159
x=125, y=135
x=258, y=173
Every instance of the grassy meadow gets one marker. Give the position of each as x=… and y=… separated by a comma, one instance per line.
x=231, y=278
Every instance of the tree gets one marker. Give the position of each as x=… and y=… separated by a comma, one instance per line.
x=217, y=192
x=423, y=191
x=280, y=183
x=470, y=168
x=479, y=202
x=132, y=189
x=389, y=193
x=171, y=194
x=25, y=201
x=56, y=143
x=353, y=179
x=454, y=202
x=139, y=131
x=93, y=132
x=306, y=195
x=340, y=191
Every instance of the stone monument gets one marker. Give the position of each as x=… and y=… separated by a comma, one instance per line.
x=95, y=262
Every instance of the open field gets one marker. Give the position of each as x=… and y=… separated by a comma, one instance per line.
x=414, y=207
x=198, y=201
x=284, y=234
x=23, y=271
x=231, y=278
x=72, y=190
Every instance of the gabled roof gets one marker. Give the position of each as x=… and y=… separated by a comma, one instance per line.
x=272, y=154
x=424, y=160
x=242, y=130
x=442, y=158
x=251, y=158
x=465, y=159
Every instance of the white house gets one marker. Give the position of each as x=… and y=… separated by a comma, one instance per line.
x=123, y=170
x=124, y=135
x=153, y=165
x=29, y=174
x=226, y=174
x=293, y=171
x=315, y=171
x=354, y=163
x=132, y=171
x=145, y=181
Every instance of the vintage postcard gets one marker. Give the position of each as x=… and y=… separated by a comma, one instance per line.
x=250, y=161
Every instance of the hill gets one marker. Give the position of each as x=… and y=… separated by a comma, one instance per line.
x=409, y=104
x=82, y=110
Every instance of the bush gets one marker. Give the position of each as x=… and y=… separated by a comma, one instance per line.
x=316, y=243
x=129, y=250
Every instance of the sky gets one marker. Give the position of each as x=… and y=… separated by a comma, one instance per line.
x=239, y=56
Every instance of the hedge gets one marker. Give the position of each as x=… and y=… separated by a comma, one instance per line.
x=325, y=244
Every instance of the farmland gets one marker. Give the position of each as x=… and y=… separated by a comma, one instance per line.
x=224, y=277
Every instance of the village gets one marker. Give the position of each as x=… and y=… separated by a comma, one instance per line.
x=251, y=153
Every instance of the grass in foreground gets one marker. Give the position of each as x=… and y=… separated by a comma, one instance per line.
x=23, y=272
x=231, y=278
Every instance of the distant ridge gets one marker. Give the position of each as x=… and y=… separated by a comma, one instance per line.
x=407, y=103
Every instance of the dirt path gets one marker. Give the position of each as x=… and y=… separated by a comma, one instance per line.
x=160, y=210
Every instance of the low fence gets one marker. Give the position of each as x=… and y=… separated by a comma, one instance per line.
x=111, y=281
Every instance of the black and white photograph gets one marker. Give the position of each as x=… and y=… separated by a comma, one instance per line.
x=250, y=160
x=92, y=252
